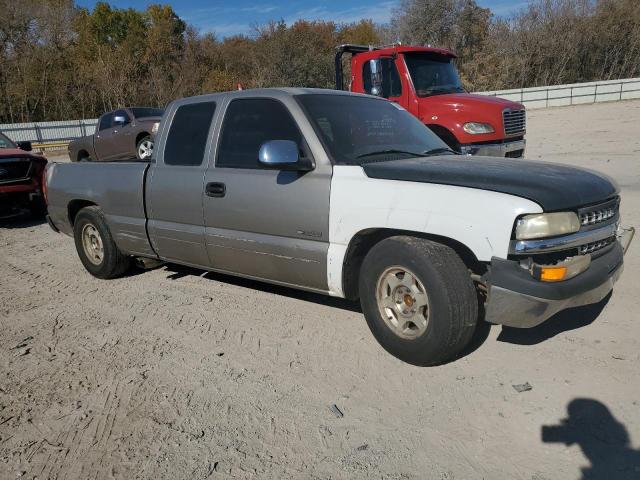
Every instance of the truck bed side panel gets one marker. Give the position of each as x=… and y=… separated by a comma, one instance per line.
x=117, y=188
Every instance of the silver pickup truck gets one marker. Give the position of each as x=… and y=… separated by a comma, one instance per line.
x=351, y=196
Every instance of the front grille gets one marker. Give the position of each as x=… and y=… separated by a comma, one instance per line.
x=600, y=213
x=14, y=169
x=595, y=246
x=515, y=122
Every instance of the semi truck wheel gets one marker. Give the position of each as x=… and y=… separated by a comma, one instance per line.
x=418, y=300
x=96, y=248
x=144, y=148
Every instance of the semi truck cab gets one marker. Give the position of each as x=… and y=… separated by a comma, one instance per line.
x=425, y=81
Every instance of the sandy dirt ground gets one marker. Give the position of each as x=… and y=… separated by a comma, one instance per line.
x=174, y=373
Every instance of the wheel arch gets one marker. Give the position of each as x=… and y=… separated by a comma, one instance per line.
x=82, y=153
x=446, y=136
x=141, y=135
x=364, y=240
x=74, y=206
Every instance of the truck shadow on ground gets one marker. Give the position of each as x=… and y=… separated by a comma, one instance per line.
x=179, y=271
x=25, y=220
x=570, y=319
x=604, y=441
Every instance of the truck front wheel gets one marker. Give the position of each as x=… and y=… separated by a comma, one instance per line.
x=96, y=248
x=144, y=148
x=418, y=299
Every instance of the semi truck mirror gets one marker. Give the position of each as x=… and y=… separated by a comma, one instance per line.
x=375, y=66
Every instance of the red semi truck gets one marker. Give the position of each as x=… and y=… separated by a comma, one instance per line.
x=424, y=81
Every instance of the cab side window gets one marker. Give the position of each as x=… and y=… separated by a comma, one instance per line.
x=105, y=121
x=388, y=76
x=188, y=134
x=250, y=122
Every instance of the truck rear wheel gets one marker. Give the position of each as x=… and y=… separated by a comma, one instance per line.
x=96, y=248
x=418, y=300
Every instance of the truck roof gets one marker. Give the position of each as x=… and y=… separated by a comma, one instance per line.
x=394, y=49
x=269, y=92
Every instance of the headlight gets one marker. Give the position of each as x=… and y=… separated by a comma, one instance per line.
x=546, y=225
x=154, y=129
x=475, y=128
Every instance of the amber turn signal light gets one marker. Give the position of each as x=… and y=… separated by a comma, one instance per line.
x=553, y=274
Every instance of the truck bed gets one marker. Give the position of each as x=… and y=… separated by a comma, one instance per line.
x=120, y=194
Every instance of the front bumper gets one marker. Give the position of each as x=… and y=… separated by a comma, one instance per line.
x=516, y=299
x=514, y=149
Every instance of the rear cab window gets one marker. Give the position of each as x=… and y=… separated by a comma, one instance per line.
x=188, y=134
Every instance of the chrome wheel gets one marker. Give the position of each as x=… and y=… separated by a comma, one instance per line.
x=145, y=149
x=403, y=302
x=92, y=244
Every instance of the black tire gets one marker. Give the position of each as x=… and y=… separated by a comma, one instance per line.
x=140, y=142
x=38, y=208
x=452, y=299
x=113, y=262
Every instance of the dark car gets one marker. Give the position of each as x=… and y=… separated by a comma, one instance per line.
x=20, y=178
x=124, y=134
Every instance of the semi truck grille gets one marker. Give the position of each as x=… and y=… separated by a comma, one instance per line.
x=515, y=122
x=14, y=169
x=599, y=213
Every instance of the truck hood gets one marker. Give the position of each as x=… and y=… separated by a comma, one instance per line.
x=466, y=104
x=553, y=186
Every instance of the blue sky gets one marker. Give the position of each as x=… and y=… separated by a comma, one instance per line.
x=227, y=18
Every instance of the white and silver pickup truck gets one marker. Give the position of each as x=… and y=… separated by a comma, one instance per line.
x=351, y=196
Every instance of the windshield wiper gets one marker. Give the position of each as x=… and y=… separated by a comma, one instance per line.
x=390, y=151
x=436, y=151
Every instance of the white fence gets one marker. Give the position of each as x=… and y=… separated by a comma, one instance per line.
x=49, y=132
x=572, y=94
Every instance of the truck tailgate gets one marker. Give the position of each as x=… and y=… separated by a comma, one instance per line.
x=116, y=187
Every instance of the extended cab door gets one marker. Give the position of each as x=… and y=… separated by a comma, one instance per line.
x=175, y=186
x=264, y=223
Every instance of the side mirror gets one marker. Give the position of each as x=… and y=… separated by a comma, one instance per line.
x=26, y=146
x=375, y=66
x=283, y=155
x=119, y=120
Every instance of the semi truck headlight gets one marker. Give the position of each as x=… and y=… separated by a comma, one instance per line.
x=546, y=225
x=476, y=128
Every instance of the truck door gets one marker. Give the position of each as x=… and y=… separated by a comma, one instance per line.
x=120, y=143
x=103, y=136
x=380, y=77
x=174, y=196
x=260, y=222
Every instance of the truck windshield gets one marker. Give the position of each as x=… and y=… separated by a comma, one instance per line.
x=143, y=112
x=433, y=74
x=5, y=142
x=358, y=129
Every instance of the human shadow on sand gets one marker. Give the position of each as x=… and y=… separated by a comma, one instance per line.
x=570, y=319
x=604, y=440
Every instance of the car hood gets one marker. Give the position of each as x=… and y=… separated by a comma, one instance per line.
x=16, y=152
x=553, y=186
